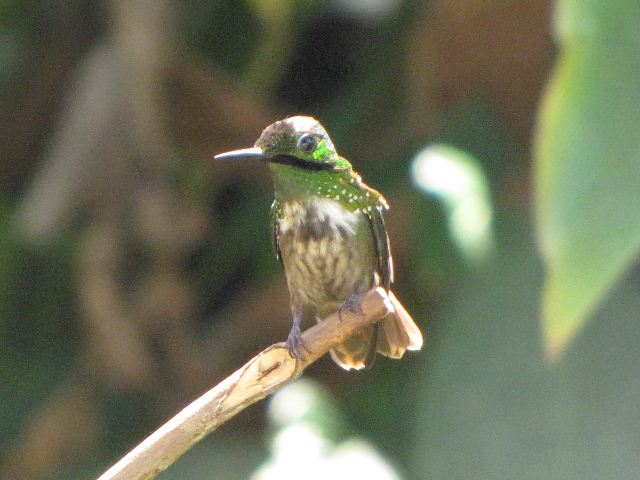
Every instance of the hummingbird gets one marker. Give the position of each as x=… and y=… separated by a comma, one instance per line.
x=328, y=231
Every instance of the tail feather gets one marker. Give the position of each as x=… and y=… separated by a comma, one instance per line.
x=393, y=339
x=392, y=336
x=356, y=353
x=399, y=332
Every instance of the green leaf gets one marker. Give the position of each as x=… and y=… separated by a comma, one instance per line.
x=588, y=162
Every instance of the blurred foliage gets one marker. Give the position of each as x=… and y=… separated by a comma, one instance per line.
x=36, y=284
x=458, y=181
x=490, y=404
x=588, y=179
x=308, y=439
x=136, y=274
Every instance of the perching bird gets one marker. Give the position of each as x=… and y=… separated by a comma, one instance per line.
x=328, y=231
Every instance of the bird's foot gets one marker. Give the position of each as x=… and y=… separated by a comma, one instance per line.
x=352, y=305
x=295, y=343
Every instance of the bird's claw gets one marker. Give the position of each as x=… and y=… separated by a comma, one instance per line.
x=352, y=305
x=295, y=343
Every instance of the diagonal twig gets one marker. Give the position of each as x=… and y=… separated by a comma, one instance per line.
x=261, y=376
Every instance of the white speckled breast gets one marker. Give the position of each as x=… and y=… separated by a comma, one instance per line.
x=327, y=251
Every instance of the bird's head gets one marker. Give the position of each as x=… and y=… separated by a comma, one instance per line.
x=299, y=142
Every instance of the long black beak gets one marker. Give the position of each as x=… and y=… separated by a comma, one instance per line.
x=253, y=152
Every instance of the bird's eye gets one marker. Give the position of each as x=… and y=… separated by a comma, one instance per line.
x=307, y=143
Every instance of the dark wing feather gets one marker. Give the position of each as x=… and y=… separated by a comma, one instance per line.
x=385, y=261
x=385, y=269
x=274, y=220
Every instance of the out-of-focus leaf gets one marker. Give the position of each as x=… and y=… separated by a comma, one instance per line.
x=305, y=440
x=588, y=162
x=489, y=407
x=458, y=180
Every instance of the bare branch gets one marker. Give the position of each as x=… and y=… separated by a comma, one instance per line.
x=261, y=376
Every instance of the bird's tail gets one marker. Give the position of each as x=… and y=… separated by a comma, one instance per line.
x=398, y=332
x=391, y=337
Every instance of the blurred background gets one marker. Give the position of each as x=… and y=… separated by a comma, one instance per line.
x=136, y=273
